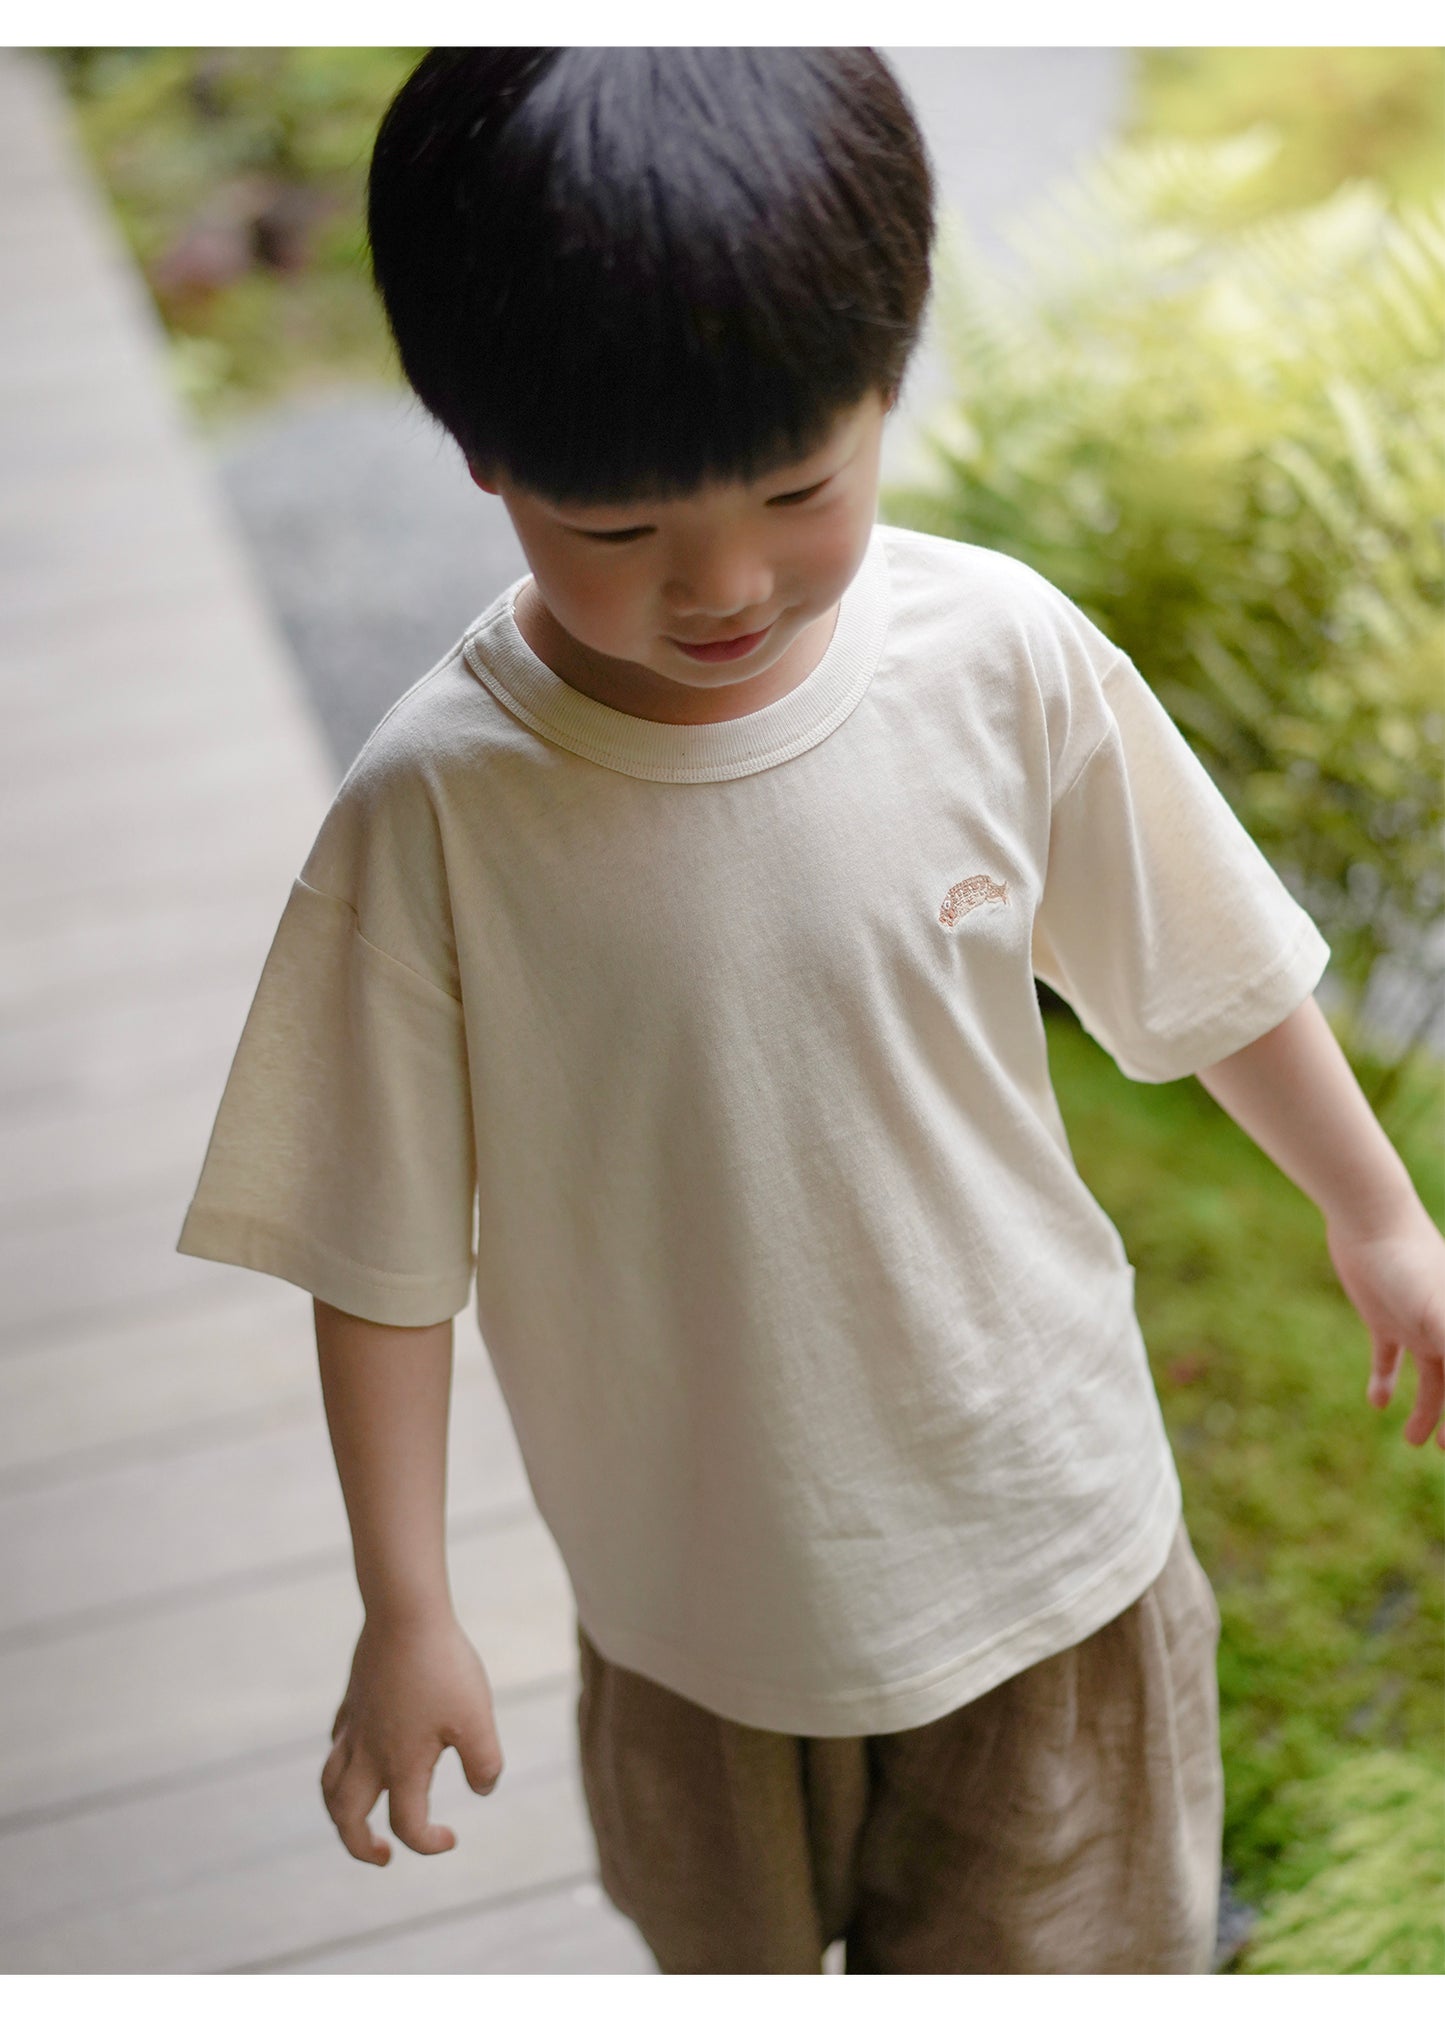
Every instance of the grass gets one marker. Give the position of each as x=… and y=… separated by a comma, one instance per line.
x=1320, y=1529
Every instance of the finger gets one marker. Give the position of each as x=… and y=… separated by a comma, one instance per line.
x=332, y=1769
x=481, y=1756
x=351, y=1800
x=410, y=1796
x=1429, y=1397
x=1384, y=1369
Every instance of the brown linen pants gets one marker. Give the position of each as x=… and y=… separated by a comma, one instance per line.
x=1067, y=1822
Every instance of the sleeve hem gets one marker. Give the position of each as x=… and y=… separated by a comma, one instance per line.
x=1269, y=999
x=392, y=1299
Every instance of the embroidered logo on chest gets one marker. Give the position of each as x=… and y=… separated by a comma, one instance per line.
x=968, y=893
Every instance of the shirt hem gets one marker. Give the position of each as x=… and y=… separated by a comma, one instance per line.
x=883, y=1709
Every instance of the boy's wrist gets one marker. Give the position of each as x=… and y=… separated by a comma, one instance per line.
x=1387, y=1210
x=406, y=1604
x=1294, y=1092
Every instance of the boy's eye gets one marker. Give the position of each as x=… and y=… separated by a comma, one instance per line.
x=620, y=534
x=634, y=533
x=797, y=498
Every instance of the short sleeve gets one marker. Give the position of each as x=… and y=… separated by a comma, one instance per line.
x=342, y=1157
x=1161, y=921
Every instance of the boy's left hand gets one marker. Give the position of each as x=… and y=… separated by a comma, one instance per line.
x=1394, y=1274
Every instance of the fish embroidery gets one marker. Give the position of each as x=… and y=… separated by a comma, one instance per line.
x=968, y=893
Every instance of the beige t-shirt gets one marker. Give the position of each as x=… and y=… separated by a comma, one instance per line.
x=822, y=1359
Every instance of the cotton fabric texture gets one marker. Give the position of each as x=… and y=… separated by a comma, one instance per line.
x=822, y=1359
x=1069, y=1821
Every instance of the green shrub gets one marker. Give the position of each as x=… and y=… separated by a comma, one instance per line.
x=1341, y=115
x=238, y=178
x=1364, y=1893
x=1228, y=446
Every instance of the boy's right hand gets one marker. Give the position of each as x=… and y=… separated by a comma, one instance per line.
x=417, y=1687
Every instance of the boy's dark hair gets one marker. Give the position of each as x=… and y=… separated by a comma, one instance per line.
x=623, y=273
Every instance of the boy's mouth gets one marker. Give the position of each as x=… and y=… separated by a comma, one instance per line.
x=724, y=649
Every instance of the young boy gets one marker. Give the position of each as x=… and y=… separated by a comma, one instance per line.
x=688, y=913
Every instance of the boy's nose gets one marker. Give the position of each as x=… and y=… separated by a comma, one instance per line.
x=719, y=589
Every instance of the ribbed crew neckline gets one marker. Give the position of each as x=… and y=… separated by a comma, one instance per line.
x=500, y=658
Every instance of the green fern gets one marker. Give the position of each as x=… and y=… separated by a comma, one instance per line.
x=1227, y=444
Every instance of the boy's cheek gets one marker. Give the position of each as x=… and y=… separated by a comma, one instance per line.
x=836, y=558
x=603, y=612
x=580, y=585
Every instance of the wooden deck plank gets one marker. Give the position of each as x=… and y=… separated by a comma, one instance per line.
x=242, y=1870
x=122, y=925
x=96, y=1257
x=43, y=667
x=239, y=1346
x=104, y=1148
x=203, y=942
x=247, y=1501
x=94, y=1054
x=567, y=1928
x=178, y=1607
x=71, y=1398
x=82, y=926
x=151, y=792
x=248, y=1665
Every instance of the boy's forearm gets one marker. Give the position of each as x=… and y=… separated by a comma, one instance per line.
x=387, y=1392
x=1295, y=1093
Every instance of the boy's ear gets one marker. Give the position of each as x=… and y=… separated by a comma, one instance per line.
x=480, y=479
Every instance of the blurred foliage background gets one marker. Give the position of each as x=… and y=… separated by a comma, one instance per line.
x=238, y=177
x=1214, y=414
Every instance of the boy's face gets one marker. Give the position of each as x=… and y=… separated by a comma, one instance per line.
x=619, y=592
